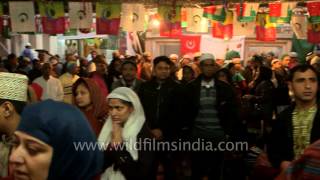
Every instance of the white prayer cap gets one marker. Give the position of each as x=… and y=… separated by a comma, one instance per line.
x=173, y=56
x=293, y=54
x=13, y=86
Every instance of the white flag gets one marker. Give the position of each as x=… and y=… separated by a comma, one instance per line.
x=195, y=20
x=243, y=28
x=132, y=17
x=299, y=26
x=285, y=6
x=22, y=16
x=80, y=15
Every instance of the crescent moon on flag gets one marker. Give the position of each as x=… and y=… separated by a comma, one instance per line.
x=190, y=44
x=50, y=13
x=23, y=17
x=135, y=17
x=196, y=19
x=81, y=14
x=106, y=13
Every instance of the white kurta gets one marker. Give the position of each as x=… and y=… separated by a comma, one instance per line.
x=51, y=89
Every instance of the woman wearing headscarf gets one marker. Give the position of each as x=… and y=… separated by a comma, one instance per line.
x=124, y=128
x=88, y=98
x=45, y=145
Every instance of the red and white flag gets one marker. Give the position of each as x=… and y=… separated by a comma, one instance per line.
x=190, y=44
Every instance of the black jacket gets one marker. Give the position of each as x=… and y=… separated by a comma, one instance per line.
x=280, y=146
x=226, y=105
x=161, y=105
x=143, y=168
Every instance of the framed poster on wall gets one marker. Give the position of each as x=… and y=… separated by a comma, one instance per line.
x=278, y=47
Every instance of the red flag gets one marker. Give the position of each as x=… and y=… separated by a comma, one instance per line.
x=170, y=21
x=275, y=9
x=189, y=44
x=108, y=18
x=219, y=30
x=313, y=8
x=314, y=33
x=265, y=30
x=53, y=26
x=223, y=30
x=52, y=16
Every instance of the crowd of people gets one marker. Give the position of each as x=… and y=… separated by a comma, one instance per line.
x=47, y=106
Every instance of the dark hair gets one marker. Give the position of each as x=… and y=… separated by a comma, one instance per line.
x=99, y=59
x=18, y=105
x=159, y=59
x=226, y=72
x=302, y=68
x=129, y=62
x=127, y=103
x=230, y=65
x=257, y=58
x=11, y=56
x=265, y=74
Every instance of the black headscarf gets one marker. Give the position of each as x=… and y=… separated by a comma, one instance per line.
x=61, y=125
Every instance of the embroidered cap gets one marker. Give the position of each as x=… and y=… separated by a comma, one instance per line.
x=13, y=86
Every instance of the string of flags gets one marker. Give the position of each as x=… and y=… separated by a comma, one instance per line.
x=111, y=18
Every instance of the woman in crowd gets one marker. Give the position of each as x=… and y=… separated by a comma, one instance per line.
x=124, y=128
x=88, y=98
x=44, y=144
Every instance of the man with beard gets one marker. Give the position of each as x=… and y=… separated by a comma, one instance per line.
x=13, y=98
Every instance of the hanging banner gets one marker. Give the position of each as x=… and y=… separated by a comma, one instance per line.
x=314, y=11
x=189, y=44
x=132, y=17
x=22, y=16
x=281, y=12
x=184, y=22
x=52, y=16
x=170, y=21
x=217, y=13
x=220, y=47
x=80, y=15
x=243, y=28
x=248, y=12
x=223, y=30
x=195, y=20
x=299, y=24
x=108, y=18
x=314, y=33
x=265, y=30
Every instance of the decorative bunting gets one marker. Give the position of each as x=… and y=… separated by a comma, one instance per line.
x=216, y=13
x=243, y=28
x=196, y=22
x=248, y=12
x=281, y=12
x=223, y=30
x=108, y=18
x=22, y=16
x=184, y=22
x=299, y=26
x=314, y=11
x=265, y=30
x=80, y=15
x=189, y=44
x=133, y=17
x=170, y=18
x=314, y=33
x=53, y=21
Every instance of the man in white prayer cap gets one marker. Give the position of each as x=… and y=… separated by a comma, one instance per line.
x=13, y=98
